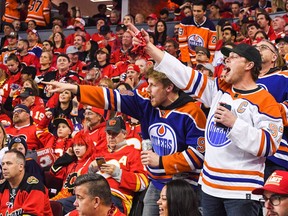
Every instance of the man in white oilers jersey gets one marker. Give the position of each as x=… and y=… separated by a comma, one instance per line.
x=238, y=141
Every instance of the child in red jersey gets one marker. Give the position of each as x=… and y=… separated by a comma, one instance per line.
x=69, y=166
x=62, y=141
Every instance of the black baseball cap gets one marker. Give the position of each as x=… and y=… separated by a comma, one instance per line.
x=66, y=121
x=30, y=71
x=105, y=29
x=203, y=49
x=22, y=106
x=13, y=34
x=278, y=40
x=27, y=92
x=18, y=139
x=121, y=26
x=92, y=65
x=247, y=51
x=115, y=124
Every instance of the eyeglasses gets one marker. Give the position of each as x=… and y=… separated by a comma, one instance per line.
x=18, y=111
x=88, y=113
x=111, y=133
x=275, y=199
x=233, y=57
x=282, y=43
x=264, y=47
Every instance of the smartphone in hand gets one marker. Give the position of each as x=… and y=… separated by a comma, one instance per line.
x=227, y=106
x=100, y=161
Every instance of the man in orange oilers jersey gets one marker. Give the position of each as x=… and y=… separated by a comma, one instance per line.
x=196, y=31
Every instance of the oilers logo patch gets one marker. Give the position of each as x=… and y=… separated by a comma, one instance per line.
x=163, y=139
x=217, y=136
x=32, y=180
x=195, y=40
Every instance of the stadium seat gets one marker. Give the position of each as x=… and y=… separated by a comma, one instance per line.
x=53, y=184
x=57, y=208
x=137, y=204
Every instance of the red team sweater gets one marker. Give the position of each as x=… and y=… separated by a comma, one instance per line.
x=31, y=198
x=133, y=177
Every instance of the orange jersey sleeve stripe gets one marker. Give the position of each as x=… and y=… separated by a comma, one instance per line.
x=195, y=158
x=283, y=148
x=190, y=81
x=205, y=81
x=262, y=144
x=274, y=147
x=160, y=177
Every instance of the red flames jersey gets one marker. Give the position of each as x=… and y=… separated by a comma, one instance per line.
x=70, y=38
x=97, y=137
x=31, y=198
x=78, y=67
x=119, y=55
x=29, y=59
x=134, y=177
x=68, y=169
x=29, y=132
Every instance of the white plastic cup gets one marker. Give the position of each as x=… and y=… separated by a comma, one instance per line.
x=146, y=145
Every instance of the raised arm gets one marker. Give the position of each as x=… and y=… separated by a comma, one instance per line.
x=191, y=81
x=149, y=47
x=55, y=86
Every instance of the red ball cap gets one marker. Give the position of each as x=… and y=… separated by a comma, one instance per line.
x=66, y=121
x=153, y=16
x=276, y=183
x=96, y=110
x=133, y=67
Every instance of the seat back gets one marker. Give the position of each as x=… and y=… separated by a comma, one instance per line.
x=53, y=184
x=57, y=208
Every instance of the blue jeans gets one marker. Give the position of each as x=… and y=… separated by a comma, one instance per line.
x=229, y=207
x=150, y=201
x=68, y=204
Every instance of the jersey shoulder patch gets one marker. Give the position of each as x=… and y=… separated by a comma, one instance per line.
x=32, y=180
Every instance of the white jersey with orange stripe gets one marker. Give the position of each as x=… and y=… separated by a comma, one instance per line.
x=234, y=157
